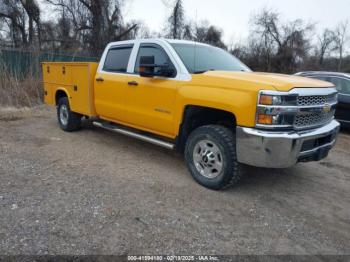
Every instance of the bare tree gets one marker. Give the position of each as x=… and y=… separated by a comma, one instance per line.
x=141, y=31
x=288, y=43
x=188, y=33
x=33, y=12
x=12, y=13
x=210, y=35
x=340, y=40
x=325, y=41
x=97, y=22
x=17, y=14
x=176, y=21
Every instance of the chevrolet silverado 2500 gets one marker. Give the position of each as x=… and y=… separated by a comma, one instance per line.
x=201, y=101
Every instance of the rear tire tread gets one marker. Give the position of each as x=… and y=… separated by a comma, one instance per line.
x=74, y=119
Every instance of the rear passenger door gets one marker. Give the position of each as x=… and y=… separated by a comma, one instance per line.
x=110, y=84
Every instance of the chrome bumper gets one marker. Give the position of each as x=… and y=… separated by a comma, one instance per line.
x=284, y=149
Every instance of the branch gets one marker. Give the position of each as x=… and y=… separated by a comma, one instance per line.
x=5, y=15
x=86, y=4
x=114, y=14
x=127, y=31
x=84, y=27
x=64, y=6
x=13, y=20
x=59, y=40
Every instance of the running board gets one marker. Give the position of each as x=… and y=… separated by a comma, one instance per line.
x=136, y=135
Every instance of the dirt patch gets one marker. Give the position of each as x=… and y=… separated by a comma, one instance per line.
x=95, y=192
x=12, y=114
x=10, y=118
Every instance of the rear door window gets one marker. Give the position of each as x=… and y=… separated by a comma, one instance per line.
x=117, y=59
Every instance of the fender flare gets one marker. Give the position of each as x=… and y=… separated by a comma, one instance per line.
x=64, y=90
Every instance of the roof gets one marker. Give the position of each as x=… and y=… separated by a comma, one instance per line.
x=170, y=41
x=325, y=73
x=177, y=41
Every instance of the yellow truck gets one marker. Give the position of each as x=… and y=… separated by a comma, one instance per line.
x=201, y=101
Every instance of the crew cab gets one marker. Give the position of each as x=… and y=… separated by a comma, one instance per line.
x=201, y=101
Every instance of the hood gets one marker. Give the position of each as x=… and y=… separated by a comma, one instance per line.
x=278, y=81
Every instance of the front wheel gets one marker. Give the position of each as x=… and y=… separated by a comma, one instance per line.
x=68, y=120
x=210, y=155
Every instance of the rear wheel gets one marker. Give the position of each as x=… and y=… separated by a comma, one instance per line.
x=210, y=155
x=68, y=120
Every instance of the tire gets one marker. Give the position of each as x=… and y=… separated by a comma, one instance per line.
x=211, y=158
x=68, y=120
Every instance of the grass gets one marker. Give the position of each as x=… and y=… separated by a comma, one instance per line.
x=18, y=92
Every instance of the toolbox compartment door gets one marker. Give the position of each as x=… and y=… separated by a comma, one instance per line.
x=76, y=80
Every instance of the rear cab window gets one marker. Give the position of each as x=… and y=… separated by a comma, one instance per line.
x=117, y=59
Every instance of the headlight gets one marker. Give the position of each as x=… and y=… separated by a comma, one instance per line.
x=276, y=109
x=270, y=100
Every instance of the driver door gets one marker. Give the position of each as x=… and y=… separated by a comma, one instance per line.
x=150, y=100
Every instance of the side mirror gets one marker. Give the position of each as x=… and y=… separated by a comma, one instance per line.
x=148, y=68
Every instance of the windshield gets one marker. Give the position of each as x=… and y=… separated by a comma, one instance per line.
x=202, y=58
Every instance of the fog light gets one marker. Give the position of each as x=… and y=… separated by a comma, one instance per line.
x=265, y=119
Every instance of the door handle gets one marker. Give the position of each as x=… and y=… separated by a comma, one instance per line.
x=100, y=79
x=133, y=83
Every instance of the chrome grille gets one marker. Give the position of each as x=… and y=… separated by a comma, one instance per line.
x=303, y=121
x=299, y=109
x=317, y=100
x=314, y=119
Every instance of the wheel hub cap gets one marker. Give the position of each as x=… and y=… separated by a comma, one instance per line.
x=207, y=159
x=64, y=114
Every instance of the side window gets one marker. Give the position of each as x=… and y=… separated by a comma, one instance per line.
x=323, y=78
x=117, y=59
x=160, y=56
x=342, y=85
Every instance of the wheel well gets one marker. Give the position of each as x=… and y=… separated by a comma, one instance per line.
x=59, y=95
x=196, y=116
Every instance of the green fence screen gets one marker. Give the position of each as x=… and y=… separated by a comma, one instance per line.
x=21, y=63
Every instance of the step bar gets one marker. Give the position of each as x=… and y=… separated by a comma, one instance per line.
x=136, y=135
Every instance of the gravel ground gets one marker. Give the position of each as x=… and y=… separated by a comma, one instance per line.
x=95, y=192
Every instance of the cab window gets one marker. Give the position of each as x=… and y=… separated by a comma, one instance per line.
x=342, y=85
x=117, y=59
x=160, y=56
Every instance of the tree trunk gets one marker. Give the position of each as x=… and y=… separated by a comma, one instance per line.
x=340, y=64
x=97, y=40
x=31, y=31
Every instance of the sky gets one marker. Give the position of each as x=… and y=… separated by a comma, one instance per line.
x=232, y=16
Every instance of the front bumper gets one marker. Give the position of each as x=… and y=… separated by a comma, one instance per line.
x=273, y=149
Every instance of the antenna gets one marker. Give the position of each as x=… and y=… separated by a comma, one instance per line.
x=195, y=44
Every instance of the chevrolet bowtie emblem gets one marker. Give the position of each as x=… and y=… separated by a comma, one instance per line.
x=327, y=108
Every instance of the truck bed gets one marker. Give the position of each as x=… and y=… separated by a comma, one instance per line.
x=74, y=78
